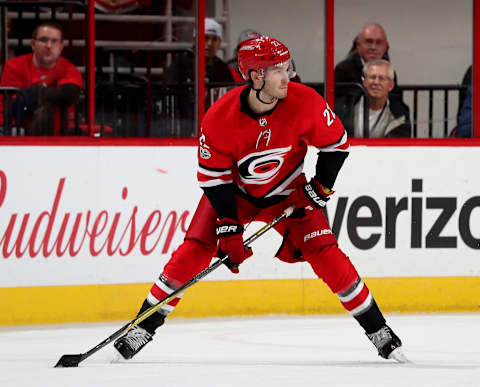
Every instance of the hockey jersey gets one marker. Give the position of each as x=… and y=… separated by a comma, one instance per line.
x=263, y=154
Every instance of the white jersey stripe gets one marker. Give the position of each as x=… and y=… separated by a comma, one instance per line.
x=208, y=172
x=213, y=183
x=334, y=147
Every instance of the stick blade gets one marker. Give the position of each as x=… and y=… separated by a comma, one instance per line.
x=69, y=361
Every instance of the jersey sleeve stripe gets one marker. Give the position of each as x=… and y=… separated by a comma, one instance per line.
x=340, y=146
x=214, y=169
x=213, y=183
x=213, y=173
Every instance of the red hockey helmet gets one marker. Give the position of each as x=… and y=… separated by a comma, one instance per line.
x=259, y=53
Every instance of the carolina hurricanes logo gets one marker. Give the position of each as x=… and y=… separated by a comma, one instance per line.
x=262, y=167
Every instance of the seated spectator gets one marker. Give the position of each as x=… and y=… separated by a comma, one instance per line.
x=464, y=128
x=387, y=117
x=371, y=43
x=50, y=83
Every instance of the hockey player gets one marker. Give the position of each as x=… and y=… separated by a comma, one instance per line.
x=251, y=153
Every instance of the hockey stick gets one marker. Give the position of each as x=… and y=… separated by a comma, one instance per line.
x=74, y=360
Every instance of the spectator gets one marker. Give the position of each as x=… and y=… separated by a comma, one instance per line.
x=371, y=43
x=464, y=128
x=50, y=82
x=387, y=117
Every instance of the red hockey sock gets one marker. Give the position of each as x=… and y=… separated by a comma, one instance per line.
x=187, y=261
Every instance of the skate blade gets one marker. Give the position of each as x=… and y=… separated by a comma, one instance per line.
x=398, y=355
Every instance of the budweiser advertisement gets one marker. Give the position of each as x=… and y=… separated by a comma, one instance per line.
x=86, y=215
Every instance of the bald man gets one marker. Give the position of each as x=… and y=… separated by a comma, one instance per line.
x=371, y=43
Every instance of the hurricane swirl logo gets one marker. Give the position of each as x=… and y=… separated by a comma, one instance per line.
x=262, y=167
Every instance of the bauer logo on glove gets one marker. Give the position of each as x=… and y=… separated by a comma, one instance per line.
x=228, y=229
x=311, y=195
x=320, y=201
x=230, y=242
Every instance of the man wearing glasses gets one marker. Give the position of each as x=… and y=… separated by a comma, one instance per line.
x=370, y=43
x=51, y=84
x=386, y=117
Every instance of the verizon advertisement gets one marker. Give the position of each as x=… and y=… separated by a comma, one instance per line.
x=104, y=215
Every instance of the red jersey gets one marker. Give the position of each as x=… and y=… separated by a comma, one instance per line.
x=22, y=73
x=263, y=155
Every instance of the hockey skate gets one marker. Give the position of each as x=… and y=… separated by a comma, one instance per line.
x=388, y=344
x=132, y=342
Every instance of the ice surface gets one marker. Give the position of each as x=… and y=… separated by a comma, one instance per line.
x=250, y=352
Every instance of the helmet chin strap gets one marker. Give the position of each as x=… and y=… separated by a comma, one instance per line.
x=258, y=94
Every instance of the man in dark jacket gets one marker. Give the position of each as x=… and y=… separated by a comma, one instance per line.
x=371, y=43
x=386, y=117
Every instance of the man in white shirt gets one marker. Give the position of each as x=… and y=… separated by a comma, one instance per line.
x=387, y=117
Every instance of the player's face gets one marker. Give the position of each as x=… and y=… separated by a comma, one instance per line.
x=276, y=81
x=378, y=82
x=47, y=46
x=372, y=43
